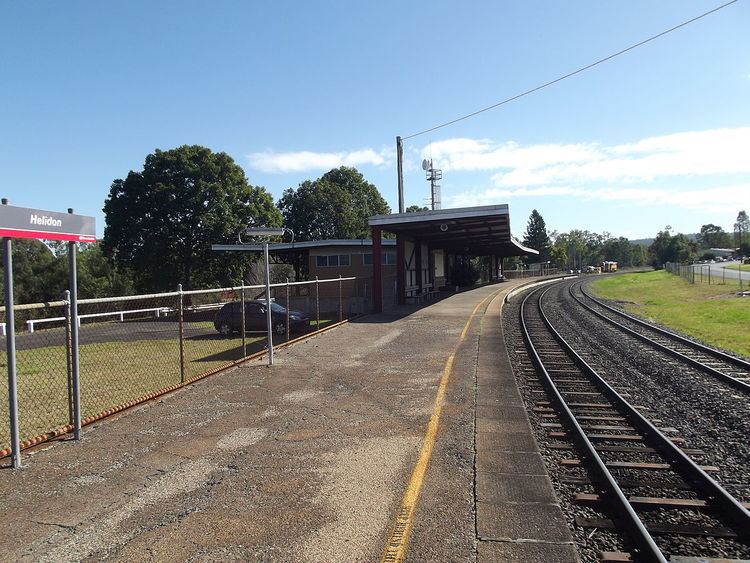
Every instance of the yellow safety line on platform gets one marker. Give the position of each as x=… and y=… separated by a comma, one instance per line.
x=395, y=550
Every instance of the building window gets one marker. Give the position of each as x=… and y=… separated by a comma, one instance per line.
x=386, y=258
x=333, y=260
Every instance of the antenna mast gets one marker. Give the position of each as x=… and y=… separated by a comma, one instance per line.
x=433, y=175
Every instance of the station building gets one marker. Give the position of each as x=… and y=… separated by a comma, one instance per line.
x=427, y=242
x=414, y=266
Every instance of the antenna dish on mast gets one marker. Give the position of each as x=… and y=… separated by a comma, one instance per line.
x=425, y=164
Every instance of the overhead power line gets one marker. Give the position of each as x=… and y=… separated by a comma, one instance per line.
x=578, y=71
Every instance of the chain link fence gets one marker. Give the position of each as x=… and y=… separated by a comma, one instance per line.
x=536, y=273
x=703, y=273
x=134, y=348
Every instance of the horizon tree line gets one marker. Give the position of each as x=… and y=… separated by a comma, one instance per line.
x=162, y=220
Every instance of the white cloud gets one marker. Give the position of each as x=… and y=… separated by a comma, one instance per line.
x=281, y=162
x=718, y=199
x=706, y=170
x=691, y=153
x=484, y=154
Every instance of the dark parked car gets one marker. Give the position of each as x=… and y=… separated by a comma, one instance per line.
x=229, y=318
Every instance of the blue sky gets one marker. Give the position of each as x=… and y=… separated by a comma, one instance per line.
x=290, y=89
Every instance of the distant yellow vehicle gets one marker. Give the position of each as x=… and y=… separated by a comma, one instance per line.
x=609, y=266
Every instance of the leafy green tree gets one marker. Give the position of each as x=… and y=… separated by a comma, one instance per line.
x=161, y=222
x=669, y=248
x=741, y=228
x=638, y=255
x=536, y=236
x=558, y=255
x=659, y=247
x=465, y=271
x=38, y=275
x=416, y=209
x=98, y=276
x=336, y=205
x=713, y=236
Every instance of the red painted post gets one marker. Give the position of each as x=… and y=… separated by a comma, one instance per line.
x=377, y=271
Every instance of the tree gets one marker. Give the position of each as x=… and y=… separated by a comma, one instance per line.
x=336, y=205
x=713, y=236
x=536, y=236
x=416, y=209
x=741, y=227
x=98, y=276
x=161, y=222
x=38, y=275
x=668, y=248
x=558, y=255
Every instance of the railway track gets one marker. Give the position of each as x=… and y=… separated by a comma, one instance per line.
x=642, y=475
x=729, y=369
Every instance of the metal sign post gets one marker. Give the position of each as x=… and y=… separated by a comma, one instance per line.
x=10, y=340
x=268, y=306
x=74, y=364
x=261, y=232
x=22, y=222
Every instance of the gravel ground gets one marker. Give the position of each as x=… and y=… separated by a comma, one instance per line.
x=710, y=415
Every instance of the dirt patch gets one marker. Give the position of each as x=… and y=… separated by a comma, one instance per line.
x=359, y=492
x=300, y=396
x=241, y=438
x=105, y=533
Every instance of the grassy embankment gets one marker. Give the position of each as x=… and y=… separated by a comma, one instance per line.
x=713, y=314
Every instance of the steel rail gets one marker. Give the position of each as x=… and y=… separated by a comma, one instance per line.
x=680, y=461
x=641, y=537
x=733, y=381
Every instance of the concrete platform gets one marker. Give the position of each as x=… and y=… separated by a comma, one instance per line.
x=308, y=460
x=518, y=518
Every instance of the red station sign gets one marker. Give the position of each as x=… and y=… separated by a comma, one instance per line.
x=22, y=222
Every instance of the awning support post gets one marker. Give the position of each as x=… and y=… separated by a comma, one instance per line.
x=377, y=271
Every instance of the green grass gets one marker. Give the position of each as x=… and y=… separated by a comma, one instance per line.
x=711, y=313
x=745, y=267
x=113, y=373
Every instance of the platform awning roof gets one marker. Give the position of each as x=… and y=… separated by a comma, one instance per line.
x=478, y=231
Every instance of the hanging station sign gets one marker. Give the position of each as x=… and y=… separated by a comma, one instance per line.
x=22, y=222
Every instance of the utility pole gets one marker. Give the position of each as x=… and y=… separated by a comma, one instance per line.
x=400, y=171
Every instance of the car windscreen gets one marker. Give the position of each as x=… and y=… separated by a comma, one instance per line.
x=276, y=308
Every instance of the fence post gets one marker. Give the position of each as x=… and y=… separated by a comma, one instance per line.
x=69, y=356
x=317, y=304
x=287, y=309
x=242, y=315
x=181, y=324
x=341, y=301
x=739, y=270
x=75, y=347
x=10, y=347
x=709, y=275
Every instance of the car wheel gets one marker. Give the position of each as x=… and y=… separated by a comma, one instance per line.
x=279, y=328
x=225, y=329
